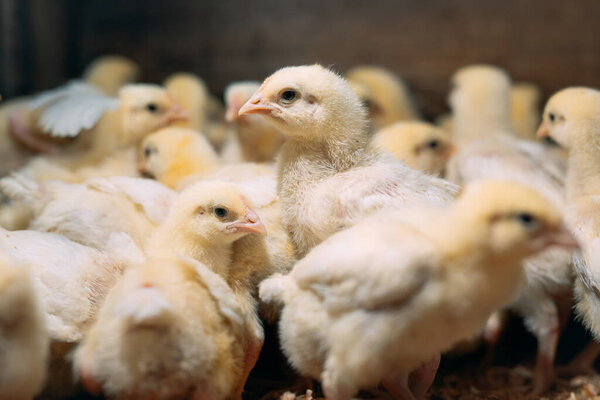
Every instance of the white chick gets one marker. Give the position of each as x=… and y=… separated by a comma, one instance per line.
x=177, y=157
x=111, y=72
x=385, y=95
x=571, y=119
x=170, y=328
x=90, y=213
x=420, y=145
x=23, y=338
x=258, y=140
x=525, y=109
x=489, y=149
x=328, y=177
x=192, y=94
x=424, y=280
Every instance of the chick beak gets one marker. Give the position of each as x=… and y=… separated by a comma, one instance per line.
x=562, y=237
x=257, y=105
x=249, y=223
x=543, y=131
x=176, y=113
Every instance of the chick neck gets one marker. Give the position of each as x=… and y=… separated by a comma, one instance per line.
x=476, y=121
x=583, y=173
x=172, y=238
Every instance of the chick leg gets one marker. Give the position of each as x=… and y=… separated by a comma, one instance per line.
x=252, y=351
x=336, y=385
x=399, y=388
x=583, y=363
x=421, y=379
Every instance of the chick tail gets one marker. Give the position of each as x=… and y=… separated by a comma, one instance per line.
x=276, y=288
x=145, y=306
x=19, y=187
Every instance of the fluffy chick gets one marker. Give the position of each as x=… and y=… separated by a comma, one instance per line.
x=571, y=119
x=111, y=72
x=170, y=328
x=23, y=338
x=90, y=213
x=525, y=109
x=177, y=157
x=420, y=145
x=385, y=95
x=192, y=94
x=425, y=279
x=328, y=176
x=258, y=140
x=488, y=148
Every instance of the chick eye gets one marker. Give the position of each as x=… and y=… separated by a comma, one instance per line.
x=220, y=212
x=527, y=220
x=433, y=144
x=147, y=152
x=552, y=117
x=288, y=95
x=151, y=107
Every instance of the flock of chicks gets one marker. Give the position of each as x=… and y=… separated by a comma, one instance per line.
x=375, y=240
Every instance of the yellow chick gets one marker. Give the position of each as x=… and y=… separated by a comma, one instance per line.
x=358, y=315
x=525, y=109
x=177, y=157
x=488, y=148
x=192, y=94
x=259, y=141
x=571, y=118
x=111, y=72
x=420, y=145
x=328, y=176
x=385, y=95
x=23, y=339
x=171, y=328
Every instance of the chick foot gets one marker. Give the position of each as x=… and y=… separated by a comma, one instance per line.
x=583, y=363
x=544, y=368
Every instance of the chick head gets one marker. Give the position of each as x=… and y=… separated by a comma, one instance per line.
x=111, y=72
x=147, y=108
x=421, y=145
x=480, y=86
x=236, y=95
x=171, y=153
x=569, y=115
x=309, y=102
x=214, y=211
x=510, y=221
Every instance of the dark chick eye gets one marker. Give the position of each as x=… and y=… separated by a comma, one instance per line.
x=151, y=107
x=147, y=152
x=433, y=144
x=526, y=220
x=220, y=212
x=288, y=95
x=552, y=117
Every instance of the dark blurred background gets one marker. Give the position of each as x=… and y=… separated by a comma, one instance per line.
x=554, y=43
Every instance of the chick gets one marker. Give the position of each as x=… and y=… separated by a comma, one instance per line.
x=192, y=94
x=170, y=328
x=111, y=72
x=385, y=95
x=525, y=109
x=23, y=338
x=108, y=123
x=177, y=157
x=90, y=213
x=328, y=177
x=439, y=271
x=420, y=145
x=258, y=140
x=571, y=119
x=488, y=148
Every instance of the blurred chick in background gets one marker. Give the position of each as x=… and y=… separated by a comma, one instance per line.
x=256, y=139
x=525, y=112
x=23, y=338
x=328, y=177
x=111, y=72
x=572, y=119
x=384, y=94
x=423, y=278
x=488, y=148
x=420, y=145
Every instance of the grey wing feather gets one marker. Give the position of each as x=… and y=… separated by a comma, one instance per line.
x=49, y=96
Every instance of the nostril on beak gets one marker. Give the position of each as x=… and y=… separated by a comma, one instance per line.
x=252, y=218
x=255, y=100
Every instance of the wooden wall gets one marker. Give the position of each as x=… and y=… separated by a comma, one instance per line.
x=552, y=42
